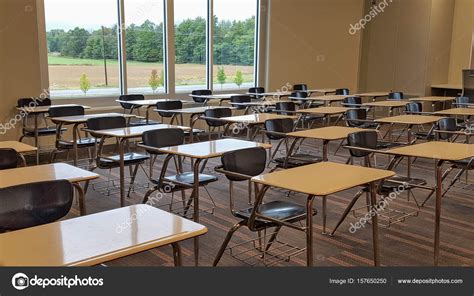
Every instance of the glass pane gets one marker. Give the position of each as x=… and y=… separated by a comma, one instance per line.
x=82, y=51
x=144, y=42
x=234, y=43
x=190, y=44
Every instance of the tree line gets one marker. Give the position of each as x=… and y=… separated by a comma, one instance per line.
x=233, y=42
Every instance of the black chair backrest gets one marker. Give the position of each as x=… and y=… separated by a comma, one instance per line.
x=468, y=83
x=257, y=90
x=300, y=87
x=168, y=105
x=364, y=139
x=241, y=99
x=217, y=113
x=299, y=94
x=200, y=92
x=106, y=123
x=130, y=98
x=354, y=115
x=285, y=106
x=8, y=159
x=33, y=102
x=354, y=102
x=65, y=111
x=447, y=124
x=280, y=125
x=34, y=204
x=250, y=162
x=163, y=138
x=413, y=107
x=396, y=96
x=342, y=92
x=463, y=102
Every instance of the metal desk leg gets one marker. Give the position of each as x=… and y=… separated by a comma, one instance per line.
x=375, y=225
x=35, y=116
x=177, y=255
x=122, y=171
x=74, y=144
x=325, y=150
x=196, y=208
x=81, y=198
x=439, y=192
x=309, y=231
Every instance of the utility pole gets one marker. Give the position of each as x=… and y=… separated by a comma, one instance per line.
x=105, y=58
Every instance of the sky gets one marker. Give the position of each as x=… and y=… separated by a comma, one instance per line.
x=91, y=14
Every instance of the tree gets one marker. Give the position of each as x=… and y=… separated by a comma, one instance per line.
x=84, y=83
x=155, y=80
x=221, y=76
x=75, y=43
x=239, y=78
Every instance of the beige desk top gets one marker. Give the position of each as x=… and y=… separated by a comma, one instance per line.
x=448, y=86
x=322, y=179
x=432, y=99
x=325, y=110
x=137, y=131
x=387, y=104
x=330, y=133
x=195, y=110
x=269, y=94
x=436, y=150
x=84, y=118
x=45, y=109
x=17, y=146
x=215, y=97
x=95, y=239
x=410, y=119
x=457, y=111
x=42, y=173
x=258, y=118
x=373, y=94
x=322, y=90
x=147, y=102
x=329, y=98
x=212, y=149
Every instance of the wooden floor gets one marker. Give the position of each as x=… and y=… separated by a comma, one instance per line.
x=404, y=244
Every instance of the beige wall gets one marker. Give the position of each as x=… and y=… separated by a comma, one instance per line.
x=461, y=42
x=407, y=48
x=19, y=70
x=309, y=42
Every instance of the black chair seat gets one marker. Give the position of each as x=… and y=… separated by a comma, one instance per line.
x=387, y=145
x=369, y=125
x=195, y=132
x=188, y=178
x=424, y=135
x=298, y=160
x=461, y=164
x=82, y=143
x=42, y=131
x=279, y=210
x=129, y=159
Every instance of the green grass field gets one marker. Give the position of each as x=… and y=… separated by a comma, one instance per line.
x=66, y=61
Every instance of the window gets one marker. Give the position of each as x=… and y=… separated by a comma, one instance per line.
x=144, y=20
x=234, y=43
x=190, y=44
x=82, y=51
x=86, y=58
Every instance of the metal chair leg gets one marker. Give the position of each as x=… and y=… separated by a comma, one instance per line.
x=272, y=238
x=132, y=181
x=347, y=211
x=226, y=241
